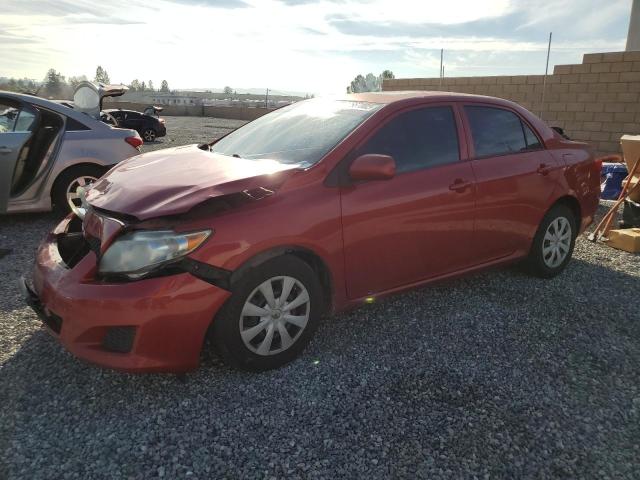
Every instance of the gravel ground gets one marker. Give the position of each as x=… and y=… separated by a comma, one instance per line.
x=186, y=130
x=493, y=375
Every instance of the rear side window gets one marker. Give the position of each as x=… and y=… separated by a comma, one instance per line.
x=15, y=117
x=498, y=132
x=417, y=139
x=74, y=125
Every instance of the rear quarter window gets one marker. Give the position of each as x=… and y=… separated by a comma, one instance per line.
x=75, y=126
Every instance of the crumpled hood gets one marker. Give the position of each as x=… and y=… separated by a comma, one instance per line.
x=172, y=181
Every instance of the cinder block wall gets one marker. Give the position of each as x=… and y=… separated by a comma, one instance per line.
x=596, y=101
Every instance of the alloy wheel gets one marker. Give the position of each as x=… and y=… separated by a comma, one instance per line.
x=274, y=315
x=556, y=242
x=149, y=135
x=73, y=199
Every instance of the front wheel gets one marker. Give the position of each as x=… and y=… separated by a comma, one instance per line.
x=553, y=244
x=270, y=317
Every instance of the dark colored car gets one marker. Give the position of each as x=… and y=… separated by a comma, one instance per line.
x=311, y=209
x=149, y=127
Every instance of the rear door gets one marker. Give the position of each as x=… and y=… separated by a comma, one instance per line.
x=419, y=224
x=17, y=124
x=515, y=178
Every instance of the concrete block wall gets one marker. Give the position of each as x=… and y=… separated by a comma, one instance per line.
x=596, y=101
x=236, y=113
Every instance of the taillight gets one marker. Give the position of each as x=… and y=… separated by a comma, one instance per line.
x=135, y=142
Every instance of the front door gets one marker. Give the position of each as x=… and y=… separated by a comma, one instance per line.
x=515, y=179
x=17, y=123
x=419, y=224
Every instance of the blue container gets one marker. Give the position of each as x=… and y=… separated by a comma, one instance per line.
x=611, y=181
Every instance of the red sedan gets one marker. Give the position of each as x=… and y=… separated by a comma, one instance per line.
x=311, y=209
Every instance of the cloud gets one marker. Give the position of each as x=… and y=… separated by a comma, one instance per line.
x=603, y=19
x=7, y=38
x=214, y=3
x=294, y=3
x=303, y=45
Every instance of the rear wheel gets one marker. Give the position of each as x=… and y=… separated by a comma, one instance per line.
x=553, y=244
x=64, y=194
x=149, y=135
x=271, y=316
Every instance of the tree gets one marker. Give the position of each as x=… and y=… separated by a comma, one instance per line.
x=143, y=86
x=135, y=85
x=151, y=85
x=164, y=86
x=74, y=81
x=358, y=85
x=228, y=90
x=54, y=82
x=370, y=83
x=102, y=76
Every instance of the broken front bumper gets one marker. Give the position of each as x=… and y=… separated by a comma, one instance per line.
x=157, y=324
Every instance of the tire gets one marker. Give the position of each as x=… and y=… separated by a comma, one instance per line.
x=250, y=353
x=149, y=135
x=553, y=245
x=66, y=181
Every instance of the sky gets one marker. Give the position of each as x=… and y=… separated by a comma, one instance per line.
x=310, y=46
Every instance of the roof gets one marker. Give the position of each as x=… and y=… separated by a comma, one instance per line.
x=391, y=97
x=56, y=107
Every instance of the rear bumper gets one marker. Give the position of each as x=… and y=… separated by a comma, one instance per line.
x=165, y=319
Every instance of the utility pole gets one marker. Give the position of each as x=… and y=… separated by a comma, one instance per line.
x=633, y=36
x=546, y=71
x=266, y=99
x=441, y=65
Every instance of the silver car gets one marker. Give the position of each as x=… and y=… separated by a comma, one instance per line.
x=47, y=149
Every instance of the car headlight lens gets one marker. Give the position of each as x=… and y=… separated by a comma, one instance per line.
x=136, y=253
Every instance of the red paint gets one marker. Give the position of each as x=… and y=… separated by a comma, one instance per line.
x=374, y=237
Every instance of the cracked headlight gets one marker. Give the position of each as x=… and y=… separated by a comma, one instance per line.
x=137, y=253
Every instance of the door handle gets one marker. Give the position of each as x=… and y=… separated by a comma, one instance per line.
x=5, y=150
x=543, y=169
x=459, y=185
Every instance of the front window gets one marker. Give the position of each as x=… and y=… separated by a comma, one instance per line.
x=301, y=133
x=418, y=139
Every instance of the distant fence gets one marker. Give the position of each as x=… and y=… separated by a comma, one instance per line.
x=234, y=113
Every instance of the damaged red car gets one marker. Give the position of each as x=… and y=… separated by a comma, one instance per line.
x=316, y=207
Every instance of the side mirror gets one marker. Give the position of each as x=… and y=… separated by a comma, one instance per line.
x=373, y=167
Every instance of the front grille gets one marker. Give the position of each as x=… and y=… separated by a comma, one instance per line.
x=94, y=245
x=53, y=321
x=72, y=248
x=119, y=339
x=50, y=319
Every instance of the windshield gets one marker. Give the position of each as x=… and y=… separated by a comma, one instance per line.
x=301, y=133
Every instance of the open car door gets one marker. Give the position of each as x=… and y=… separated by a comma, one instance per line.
x=88, y=97
x=18, y=122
